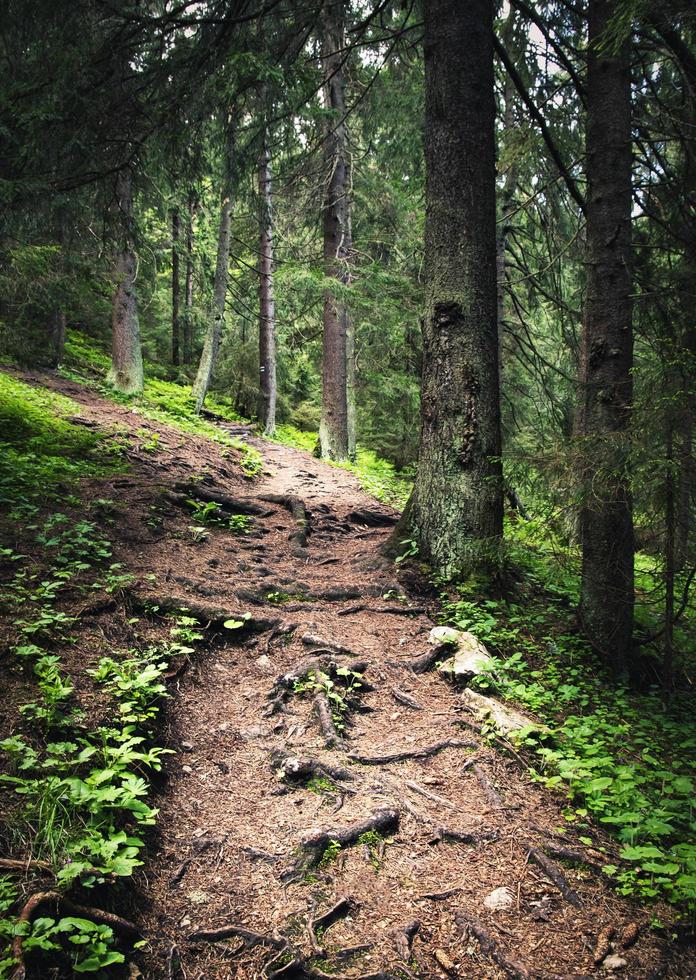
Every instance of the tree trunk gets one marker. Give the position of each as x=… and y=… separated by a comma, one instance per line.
x=126, y=373
x=216, y=317
x=455, y=513
x=188, y=283
x=333, y=428
x=508, y=190
x=267, y=338
x=176, y=287
x=606, y=525
x=57, y=338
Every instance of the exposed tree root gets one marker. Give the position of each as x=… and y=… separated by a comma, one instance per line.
x=554, y=874
x=285, y=683
x=313, y=846
x=198, y=848
x=400, y=610
x=371, y=518
x=249, y=938
x=489, y=947
x=573, y=856
x=299, y=512
x=424, y=663
x=314, y=640
x=322, y=709
x=401, y=697
x=118, y=924
x=233, y=505
x=301, y=769
x=422, y=791
x=351, y=610
x=341, y=908
x=403, y=938
x=12, y=864
x=487, y=786
x=424, y=753
x=211, y=617
x=472, y=838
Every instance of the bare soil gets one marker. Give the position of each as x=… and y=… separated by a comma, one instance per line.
x=228, y=848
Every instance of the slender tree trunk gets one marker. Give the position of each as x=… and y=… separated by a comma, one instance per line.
x=670, y=563
x=126, y=374
x=455, y=513
x=188, y=283
x=57, y=338
x=606, y=525
x=349, y=325
x=176, y=287
x=333, y=428
x=216, y=318
x=267, y=338
x=508, y=190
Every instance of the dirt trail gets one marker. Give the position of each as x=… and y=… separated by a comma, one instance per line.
x=228, y=852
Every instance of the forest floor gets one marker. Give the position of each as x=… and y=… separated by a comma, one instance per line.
x=283, y=848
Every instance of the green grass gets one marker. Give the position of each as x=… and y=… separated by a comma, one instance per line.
x=43, y=453
x=620, y=757
x=161, y=401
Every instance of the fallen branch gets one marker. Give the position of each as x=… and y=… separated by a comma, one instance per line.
x=424, y=753
x=489, y=947
x=83, y=911
x=554, y=874
x=472, y=838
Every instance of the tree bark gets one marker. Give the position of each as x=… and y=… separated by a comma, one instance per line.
x=188, y=283
x=216, y=317
x=333, y=428
x=57, y=338
x=176, y=287
x=267, y=337
x=126, y=373
x=606, y=524
x=455, y=513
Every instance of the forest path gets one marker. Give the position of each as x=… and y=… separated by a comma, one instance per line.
x=241, y=868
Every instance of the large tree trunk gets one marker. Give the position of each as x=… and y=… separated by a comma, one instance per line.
x=126, y=373
x=188, y=282
x=176, y=288
x=267, y=338
x=606, y=526
x=333, y=428
x=455, y=513
x=216, y=318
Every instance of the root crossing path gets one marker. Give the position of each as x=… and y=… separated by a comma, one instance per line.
x=328, y=811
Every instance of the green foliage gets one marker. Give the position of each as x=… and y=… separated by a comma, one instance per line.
x=41, y=451
x=161, y=401
x=620, y=757
x=210, y=513
x=319, y=682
